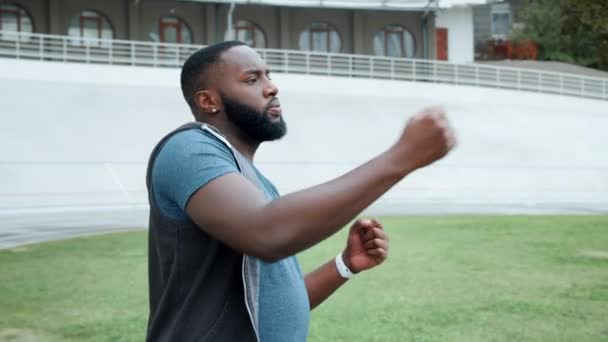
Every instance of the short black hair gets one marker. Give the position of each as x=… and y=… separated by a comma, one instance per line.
x=194, y=70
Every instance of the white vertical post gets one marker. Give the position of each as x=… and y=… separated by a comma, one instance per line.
x=41, y=47
x=351, y=72
x=64, y=48
x=154, y=54
x=392, y=68
x=132, y=52
x=477, y=75
x=307, y=62
x=110, y=54
x=518, y=79
x=561, y=84
x=88, y=46
x=605, y=94
x=17, y=45
x=286, y=61
x=414, y=70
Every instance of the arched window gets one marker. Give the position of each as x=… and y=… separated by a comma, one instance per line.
x=90, y=24
x=320, y=37
x=171, y=29
x=394, y=41
x=14, y=18
x=250, y=33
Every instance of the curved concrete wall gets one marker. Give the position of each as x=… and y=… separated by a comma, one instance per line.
x=78, y=136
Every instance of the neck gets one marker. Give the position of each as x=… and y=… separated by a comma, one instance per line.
x=242, y=143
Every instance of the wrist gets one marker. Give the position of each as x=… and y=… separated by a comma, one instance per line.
x=400, y=160
x=343, y=266
x=347, y=263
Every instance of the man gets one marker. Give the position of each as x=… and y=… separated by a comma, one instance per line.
x=222, y=242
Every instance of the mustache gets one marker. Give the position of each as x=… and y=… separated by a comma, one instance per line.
x=272, y=103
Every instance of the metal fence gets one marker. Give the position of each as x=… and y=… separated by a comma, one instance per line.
x=125, y=52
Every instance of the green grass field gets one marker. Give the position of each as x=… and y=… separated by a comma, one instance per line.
x=447, y=279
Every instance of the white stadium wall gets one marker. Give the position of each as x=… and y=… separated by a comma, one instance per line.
x=78, y=136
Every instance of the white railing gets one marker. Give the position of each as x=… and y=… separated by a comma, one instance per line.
x=125, y=52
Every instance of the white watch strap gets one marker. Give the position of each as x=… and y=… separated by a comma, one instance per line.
x=342, y=269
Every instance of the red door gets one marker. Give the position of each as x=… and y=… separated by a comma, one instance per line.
x=442, y=43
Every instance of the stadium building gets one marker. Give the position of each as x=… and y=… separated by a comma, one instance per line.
x=395, y=28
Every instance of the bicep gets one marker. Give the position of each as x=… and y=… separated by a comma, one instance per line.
x=228, y=208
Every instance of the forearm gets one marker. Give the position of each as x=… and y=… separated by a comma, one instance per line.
x=233, y=210
x=298, y=221
x=322, y=282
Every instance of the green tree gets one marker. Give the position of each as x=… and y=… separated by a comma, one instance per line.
x=573, y=31
x=542, y=24
x=588, y=21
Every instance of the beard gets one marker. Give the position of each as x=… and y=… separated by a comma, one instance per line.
x=253, y=123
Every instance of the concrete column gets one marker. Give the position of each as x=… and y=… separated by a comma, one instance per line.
x=211, y=24
x=432, y=36
x=133, y=19
x=284, y=29
x=425, y=36
x=358, y=32
x=57, y=24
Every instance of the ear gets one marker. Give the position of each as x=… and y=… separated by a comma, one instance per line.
x=207, y=101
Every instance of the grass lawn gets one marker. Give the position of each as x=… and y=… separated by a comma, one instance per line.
x=447, y=279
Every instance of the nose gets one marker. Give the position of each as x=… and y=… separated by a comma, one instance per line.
x=271, y=90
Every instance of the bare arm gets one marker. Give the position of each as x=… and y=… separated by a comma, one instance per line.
x=367, y=247
x=322, y=282
x=234, y=211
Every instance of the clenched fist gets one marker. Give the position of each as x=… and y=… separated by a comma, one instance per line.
x=367, y=245
x=427, y=137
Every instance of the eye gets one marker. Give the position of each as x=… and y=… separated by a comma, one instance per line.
x=251, y=80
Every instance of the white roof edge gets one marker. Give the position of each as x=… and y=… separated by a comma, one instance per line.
x=463, y=3
x=404, y=5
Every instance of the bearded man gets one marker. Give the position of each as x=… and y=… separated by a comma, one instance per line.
x=222, y=241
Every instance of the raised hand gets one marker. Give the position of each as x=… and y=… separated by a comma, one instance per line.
x=366, y=247
x=427, y=137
